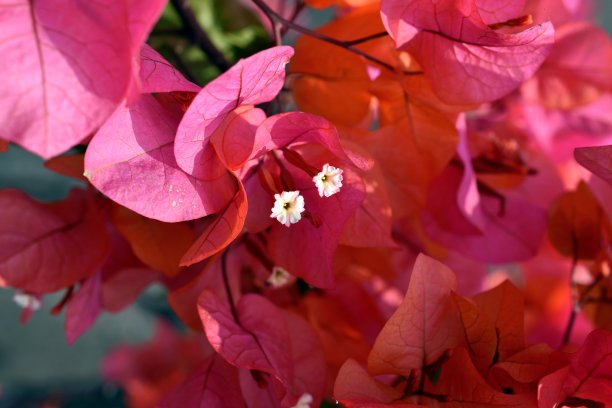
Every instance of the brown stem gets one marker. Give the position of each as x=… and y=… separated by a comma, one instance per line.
x=228, y=290
x=367, y=38
x=273, y=15
x=198, y=36
x=575, y=301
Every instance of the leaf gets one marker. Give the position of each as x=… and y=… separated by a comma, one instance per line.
x=83, y=308
x=259, y=340
x=504, y=306
x=221, y=231
x=480, y=334
x=213, y=384
x=586, y=378
x=596, y=159
x=150, y=239
x=74, y=68
x=464, y=60
x=575, y=222
x=47, y=247
x=131, y=160
x=424, y=326
x=251, y=81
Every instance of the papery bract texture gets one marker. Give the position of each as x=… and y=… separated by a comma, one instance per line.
x=587, y=377
x=67, y=71
x=251, y=81
x=464, y=60
x=84, y=307
x=259, y=340
x=597, y=159
x=423, y=327
x=131, y=160
x=221, y=231
x=47, y=247
x=213, y=384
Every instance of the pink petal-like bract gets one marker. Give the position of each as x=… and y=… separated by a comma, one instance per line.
x=464, y=60
x=597, y=159
x=158, y=75
x=213, y=384
x=66, y=72
x=131, y=160
x=291, y=128
x=251, y=81
x=84, y=307
x=587, y=377
x=221, y=231
x=47, y=247
x=259, y=340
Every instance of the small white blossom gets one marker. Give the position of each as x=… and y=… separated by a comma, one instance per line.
x=288, y=207
x=27, y=301
x=279, y=277
x=328, y=181
x=304, y=401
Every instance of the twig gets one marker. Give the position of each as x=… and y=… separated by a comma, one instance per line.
x=575, y=301
x=228, y=290
x=367, y=38
x=274, y=16
x=199, y=36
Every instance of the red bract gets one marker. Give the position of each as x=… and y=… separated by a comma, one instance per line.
x=46, y=247
x=464, y=59
x=597, y=160
x=423, y=328
x=586, y=380
x=70, y=70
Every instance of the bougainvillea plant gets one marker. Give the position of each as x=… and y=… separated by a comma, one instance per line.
x=409, y=207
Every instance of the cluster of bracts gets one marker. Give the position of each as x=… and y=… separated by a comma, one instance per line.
x=293, y=244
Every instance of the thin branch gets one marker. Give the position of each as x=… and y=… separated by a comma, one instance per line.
x=575, y=300
x=199, y=36
x=367, y=38
x=273, y=15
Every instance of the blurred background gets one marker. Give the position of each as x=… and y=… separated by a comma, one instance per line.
x=37, y=367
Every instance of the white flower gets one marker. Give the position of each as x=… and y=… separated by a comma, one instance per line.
x=304, y=401
x=279, y=277
x=288, y=207
x=329, y=180
x=27, y=301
